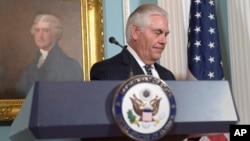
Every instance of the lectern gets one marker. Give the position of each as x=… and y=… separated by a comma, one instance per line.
x=83, y=110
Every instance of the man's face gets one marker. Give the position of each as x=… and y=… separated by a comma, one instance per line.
x=152, y=39
x=43, y=35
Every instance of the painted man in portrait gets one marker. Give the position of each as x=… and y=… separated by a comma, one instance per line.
x=51, y=63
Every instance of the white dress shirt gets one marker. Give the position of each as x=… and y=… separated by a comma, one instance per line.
x=141, y=63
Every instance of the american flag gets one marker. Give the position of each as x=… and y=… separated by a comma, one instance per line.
x=204, y=57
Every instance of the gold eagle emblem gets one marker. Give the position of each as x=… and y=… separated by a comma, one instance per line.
x=146, y=109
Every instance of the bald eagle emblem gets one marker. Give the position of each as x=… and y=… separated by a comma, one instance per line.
x=145, y=107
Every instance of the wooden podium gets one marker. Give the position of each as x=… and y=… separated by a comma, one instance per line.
x=79, y=110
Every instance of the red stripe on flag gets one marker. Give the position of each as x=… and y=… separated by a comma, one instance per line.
x=218, y=137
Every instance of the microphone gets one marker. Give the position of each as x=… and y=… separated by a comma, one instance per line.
x=112, y=40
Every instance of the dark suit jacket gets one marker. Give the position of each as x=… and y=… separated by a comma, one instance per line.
x=120, y=66
x=57, y=67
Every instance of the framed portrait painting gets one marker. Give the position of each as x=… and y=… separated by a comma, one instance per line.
x=81, y=40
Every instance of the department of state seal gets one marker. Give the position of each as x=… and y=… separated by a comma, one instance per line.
x=144, y=108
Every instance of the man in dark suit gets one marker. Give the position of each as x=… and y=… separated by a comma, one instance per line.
x=146, y=31
x=51, y=63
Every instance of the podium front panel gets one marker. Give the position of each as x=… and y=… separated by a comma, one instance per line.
x=84, y=109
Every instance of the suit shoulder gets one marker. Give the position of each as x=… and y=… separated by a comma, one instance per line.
x=166, y=73
x=113, y=60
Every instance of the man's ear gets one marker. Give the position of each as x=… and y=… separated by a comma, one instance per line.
x=135, y=31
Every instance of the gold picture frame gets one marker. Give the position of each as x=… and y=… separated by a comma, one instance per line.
x=92, y=50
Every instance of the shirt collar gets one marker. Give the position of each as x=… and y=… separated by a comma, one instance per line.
x=44, y=53
x=137, y=58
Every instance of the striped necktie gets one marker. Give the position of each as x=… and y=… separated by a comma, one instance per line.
x=148, y=69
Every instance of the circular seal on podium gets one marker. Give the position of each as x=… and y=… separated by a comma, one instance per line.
x=144, y=108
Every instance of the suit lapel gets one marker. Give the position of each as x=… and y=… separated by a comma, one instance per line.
x=158, y=70
x=131, y=63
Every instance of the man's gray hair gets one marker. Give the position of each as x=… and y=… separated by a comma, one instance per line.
x=141, y=17
x=57, y=28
